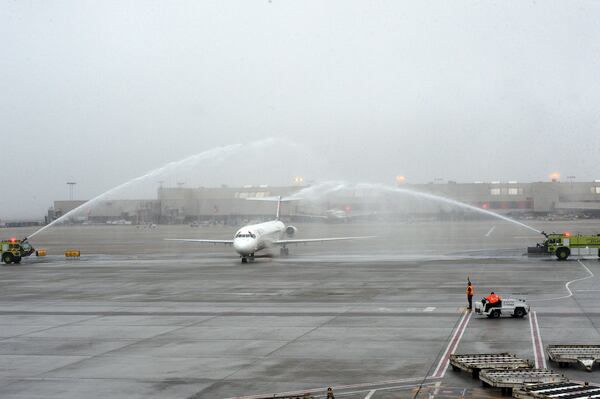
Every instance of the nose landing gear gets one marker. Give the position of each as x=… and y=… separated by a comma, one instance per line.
x=284, y=251
x=250, y=258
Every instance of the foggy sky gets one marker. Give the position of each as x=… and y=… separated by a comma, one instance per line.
x=99, y=92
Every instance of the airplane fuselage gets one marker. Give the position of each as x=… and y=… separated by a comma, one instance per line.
x=255, y=237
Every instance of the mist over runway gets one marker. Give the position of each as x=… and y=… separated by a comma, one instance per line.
x=410, y=147
x=140, y=317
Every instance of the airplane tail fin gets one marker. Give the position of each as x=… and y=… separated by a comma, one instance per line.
x=279, y=200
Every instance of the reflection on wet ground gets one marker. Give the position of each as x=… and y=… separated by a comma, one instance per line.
x=135, y=317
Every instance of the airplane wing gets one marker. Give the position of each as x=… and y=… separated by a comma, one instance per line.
x=226, y=242
x=307, y=240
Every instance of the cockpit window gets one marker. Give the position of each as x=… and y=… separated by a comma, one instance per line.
x=245, y=235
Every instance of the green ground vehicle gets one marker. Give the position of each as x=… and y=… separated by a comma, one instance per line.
x=562, y=244
x=14, y=250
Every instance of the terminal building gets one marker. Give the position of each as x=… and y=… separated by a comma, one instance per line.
x=178, y=205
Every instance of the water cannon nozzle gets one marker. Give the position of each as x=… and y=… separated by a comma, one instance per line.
x=544, y=234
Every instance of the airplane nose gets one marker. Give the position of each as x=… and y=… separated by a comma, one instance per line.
x=243, y=247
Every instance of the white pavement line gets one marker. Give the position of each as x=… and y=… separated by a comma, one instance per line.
x=437, y=389
x=440, y=370
x=490, y=232
x=579, y=279
x=429, y=309
x=370, y=394
x=536, y=340
x=390, y=388
x=367, y=385
x=590, y=275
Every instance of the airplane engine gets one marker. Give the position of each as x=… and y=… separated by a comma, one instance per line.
x=291, y=231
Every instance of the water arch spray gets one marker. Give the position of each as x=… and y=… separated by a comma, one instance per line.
x=322, y=190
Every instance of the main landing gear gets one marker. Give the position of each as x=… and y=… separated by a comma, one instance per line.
x=283, y=251
x=250, y=258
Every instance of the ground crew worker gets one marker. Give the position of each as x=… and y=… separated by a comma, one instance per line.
x=493, y=301
x=470, y=293
x=330, y=393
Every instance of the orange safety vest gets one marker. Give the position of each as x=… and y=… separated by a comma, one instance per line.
x=470, y=290
x=492, y=298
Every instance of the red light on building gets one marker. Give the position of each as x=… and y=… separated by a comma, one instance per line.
x=485, y=205
x=348, y=208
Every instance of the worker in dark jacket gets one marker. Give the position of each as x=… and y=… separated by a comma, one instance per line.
x=470, y=293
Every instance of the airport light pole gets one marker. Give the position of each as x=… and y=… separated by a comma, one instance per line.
x=71, y=185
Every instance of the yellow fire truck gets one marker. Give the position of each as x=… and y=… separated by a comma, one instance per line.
x=14, y=250
x=562, y=245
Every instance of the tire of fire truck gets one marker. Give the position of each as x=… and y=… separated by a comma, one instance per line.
x=7, y=258
x=17, y=260
x=563, y=253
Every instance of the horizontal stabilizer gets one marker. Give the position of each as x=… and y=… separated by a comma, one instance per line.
x=279, y=199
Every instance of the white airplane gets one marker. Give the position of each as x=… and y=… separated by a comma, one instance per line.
x=255, y=237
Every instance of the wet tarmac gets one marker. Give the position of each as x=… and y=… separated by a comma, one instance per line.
x=136, y=317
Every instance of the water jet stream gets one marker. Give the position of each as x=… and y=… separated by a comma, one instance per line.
x=322, y=189
x=218, y=154
x=317, y=191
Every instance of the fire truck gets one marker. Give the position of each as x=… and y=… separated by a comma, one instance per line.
x=14, y=250
x=562, y=245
